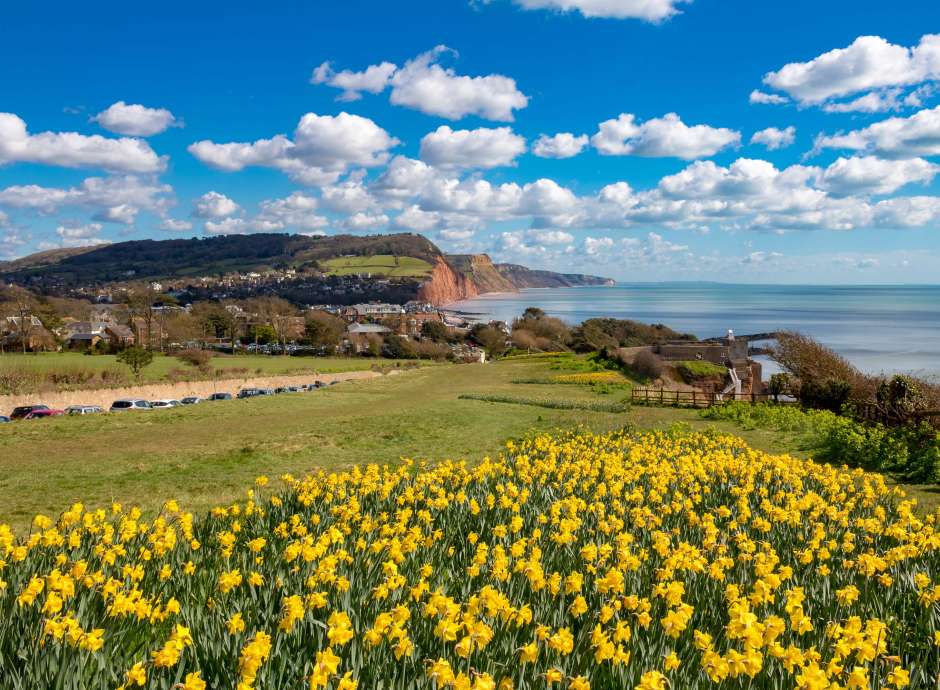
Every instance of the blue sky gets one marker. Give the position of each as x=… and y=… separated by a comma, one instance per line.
x=205, y=118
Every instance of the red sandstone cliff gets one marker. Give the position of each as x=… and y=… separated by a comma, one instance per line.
x=446, y=285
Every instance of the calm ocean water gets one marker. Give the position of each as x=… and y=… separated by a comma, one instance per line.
x=878, y=328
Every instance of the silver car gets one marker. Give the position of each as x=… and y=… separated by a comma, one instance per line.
x=126, y=404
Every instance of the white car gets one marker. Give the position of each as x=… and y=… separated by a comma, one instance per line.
x=126, y=404
x=160, y=404
x=191, y=400
x=83, y=409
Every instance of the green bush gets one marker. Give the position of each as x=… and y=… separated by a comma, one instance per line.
x=911, y=451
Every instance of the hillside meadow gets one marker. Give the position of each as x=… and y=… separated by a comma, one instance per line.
x=207, y=453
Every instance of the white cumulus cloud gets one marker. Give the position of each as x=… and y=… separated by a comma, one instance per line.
x=215, y=205
x=774, y=138
x=125, y=214
x=763, y=98
x=424, y=85
x=135, y=120
x=872, y=175
x=917, y=135
x=667, y=136
x=323, y=147
x=870, y=63
x=74, y=235
x=73, y=150
x=471, y=148
x=176, y=225
x=561, y=145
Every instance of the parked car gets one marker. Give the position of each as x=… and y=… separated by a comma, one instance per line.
x=220, y=396
x=83, y=409
x=161, y=404
x=23, y=410
x=45, y=412
x=249, y=392
x=126, y=404
x=191, y=400
x=4, y=419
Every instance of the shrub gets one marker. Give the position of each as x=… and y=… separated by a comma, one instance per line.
x=199, y=359
x=647, y=365
x=912, y=451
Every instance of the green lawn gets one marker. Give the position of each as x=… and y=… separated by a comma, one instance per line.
x=261, y=365
x=380, y=264
x=210, y=453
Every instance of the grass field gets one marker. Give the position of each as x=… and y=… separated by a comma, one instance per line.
x=209, y=453
x=378, y=265
x=262, y=365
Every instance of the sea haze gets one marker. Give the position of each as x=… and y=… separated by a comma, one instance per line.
x=878, y=328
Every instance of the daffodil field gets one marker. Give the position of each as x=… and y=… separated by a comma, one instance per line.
x=576, y=561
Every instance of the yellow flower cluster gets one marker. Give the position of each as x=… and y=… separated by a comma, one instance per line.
x=571, y=562
x=590, y=377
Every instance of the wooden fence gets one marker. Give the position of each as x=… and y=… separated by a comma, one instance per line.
x=673, y=398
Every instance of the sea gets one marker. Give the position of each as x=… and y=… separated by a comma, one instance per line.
x=879, y=328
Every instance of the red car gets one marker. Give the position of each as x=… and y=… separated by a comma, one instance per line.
x=39, y=414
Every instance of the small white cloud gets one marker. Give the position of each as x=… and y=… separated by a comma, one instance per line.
x=215, y=205
x=74, y=235
x=471, y=148
x=365, y=221
x=374, y=79
x=667, y=136
x=647, y=10
x=124, y=214
x=774, y=138
x=227, y=226
x=176, y=225
x=550, y=237
x=561, y=145
x=135, y=120
x=594, y=246
x=874, y=102
x=763, y=98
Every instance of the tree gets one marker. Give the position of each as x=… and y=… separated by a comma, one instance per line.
x=279, y=314
x=141, y=305
x=533, y=313
x=262, y=334
x=396, y=347
x=778, y=385
x=137, y=358
x=434, y=330
x=322, y=329
x=490, y=338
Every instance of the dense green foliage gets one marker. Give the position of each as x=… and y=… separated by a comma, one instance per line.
x=598, y=334
x=911, y=451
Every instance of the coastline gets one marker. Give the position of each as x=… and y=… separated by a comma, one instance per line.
x=879, y=328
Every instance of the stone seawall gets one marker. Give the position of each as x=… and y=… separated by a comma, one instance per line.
x=158, y=391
